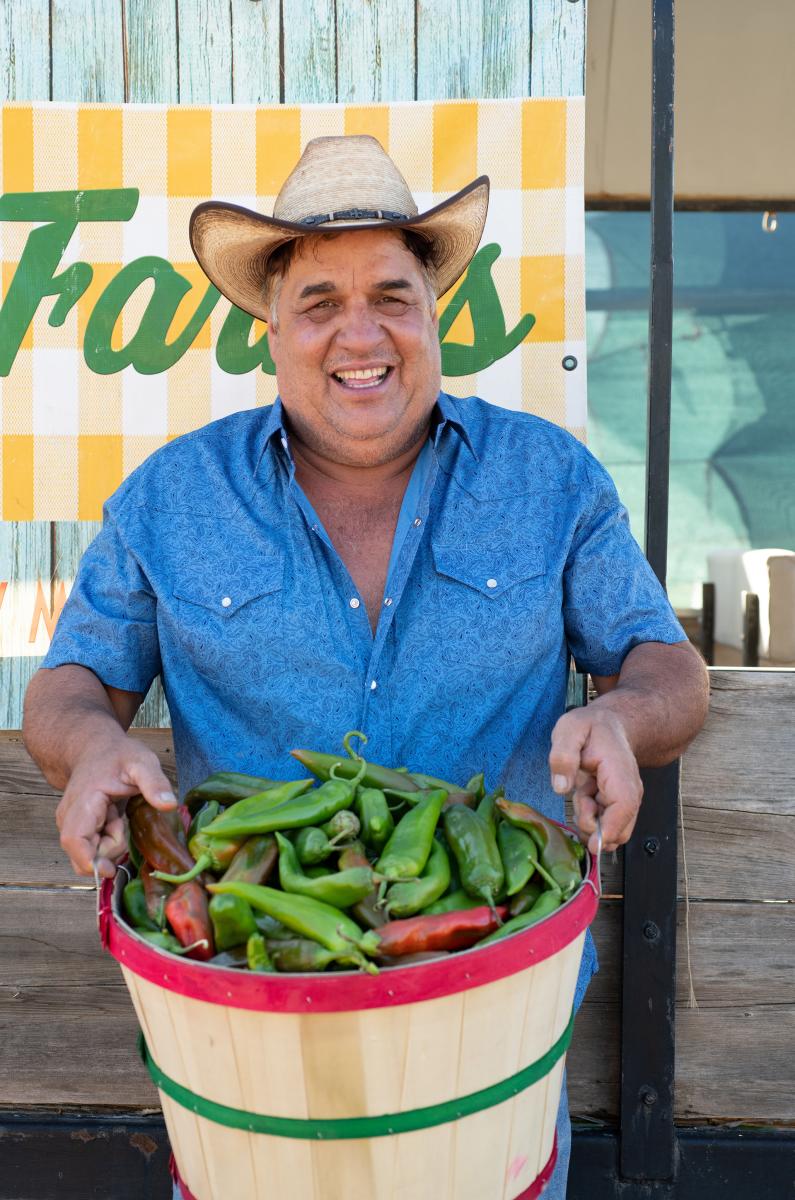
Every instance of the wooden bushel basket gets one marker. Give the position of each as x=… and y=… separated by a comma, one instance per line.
x=435, y=1081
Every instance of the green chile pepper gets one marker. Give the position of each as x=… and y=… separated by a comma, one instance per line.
x=134, y=900
x=312, y=846
x=257, y=954
x=374, y=775
x=523, y=901
x=557, y=857
x=207, y=813
x=546, y=903
x=299, y=954
x=260, y=815
x=340, y=889
x=377, y=821
x=409, y=848
x=231, y=959
x=413, y=896
x=488, y=809
x=310, y=918
x=164, y=941
x=210, y=853
x=254, y=861
x=227, y=787
x=477, y=786
x=241, y=813
x=233, y=921
x=475, y=849
x=453, y=902
x=319, y=871
x=519, y=855
x=271, y=928
x=344, y=826
x=157, y=893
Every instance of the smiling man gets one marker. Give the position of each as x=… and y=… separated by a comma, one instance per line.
x=368, y=553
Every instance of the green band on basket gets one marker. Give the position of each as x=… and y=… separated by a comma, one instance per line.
x=336, y=1128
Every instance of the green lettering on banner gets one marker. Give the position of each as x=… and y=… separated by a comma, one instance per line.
x=35, y=276
x=492, y=341
x=149, y=350
x=234, y=354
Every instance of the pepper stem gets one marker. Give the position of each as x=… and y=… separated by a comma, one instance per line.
x=201, y=864
x=545, y=875
x=346, y=741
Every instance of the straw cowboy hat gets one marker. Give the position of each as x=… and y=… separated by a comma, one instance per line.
x=338, y=183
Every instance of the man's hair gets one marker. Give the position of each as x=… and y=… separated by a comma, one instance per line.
x=278, y=264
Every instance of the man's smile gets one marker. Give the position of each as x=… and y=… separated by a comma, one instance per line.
x=362, y=378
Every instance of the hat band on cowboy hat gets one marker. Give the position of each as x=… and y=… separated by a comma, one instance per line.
x=339, y=183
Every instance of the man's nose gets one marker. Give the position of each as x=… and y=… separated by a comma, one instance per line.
x=360, y=328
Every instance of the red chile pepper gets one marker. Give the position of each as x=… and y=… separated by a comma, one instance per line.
x=444, y=931
x=254, y=861
x=188, y=914
x=155, y=838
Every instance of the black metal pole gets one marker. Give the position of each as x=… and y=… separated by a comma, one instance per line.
x=648, y=1139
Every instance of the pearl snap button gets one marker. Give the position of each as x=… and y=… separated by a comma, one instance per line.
x=491, y=583
x=227, y=600
x=417, y=522
x=373, y=685
x=388, y=601
x=354, y=603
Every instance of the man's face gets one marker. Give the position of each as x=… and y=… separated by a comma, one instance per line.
x=356, y=347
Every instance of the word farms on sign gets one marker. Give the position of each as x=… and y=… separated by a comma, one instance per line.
x=112, y=340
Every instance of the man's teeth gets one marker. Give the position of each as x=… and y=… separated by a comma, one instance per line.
x=363, y=376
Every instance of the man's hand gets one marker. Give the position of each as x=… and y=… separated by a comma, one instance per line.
x=89, y=815
x=591, y=754
x=646, y=715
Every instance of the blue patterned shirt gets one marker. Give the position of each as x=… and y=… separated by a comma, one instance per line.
x=512, y=555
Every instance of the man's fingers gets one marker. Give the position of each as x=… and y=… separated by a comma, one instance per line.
x=568, y=738
x=152, y=784
x=113, y=842
x=81, y=825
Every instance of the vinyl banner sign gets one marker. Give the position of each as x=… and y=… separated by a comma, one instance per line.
x=113, y=341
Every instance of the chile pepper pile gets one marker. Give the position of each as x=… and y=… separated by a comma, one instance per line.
x=373, y=866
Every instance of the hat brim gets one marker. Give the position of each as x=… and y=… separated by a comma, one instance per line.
x=233, y=244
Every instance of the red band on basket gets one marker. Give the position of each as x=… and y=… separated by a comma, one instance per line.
x=351, y=992
x=531, y=1193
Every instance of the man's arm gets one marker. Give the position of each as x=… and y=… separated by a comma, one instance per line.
x=75, y=730
x=645, y=716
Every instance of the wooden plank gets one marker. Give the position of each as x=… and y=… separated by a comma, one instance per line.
x=204, y=51
x=255, y=51
x=558, y=54
x=375, y=50
x=25, y=50
x=741, y=760
x=450, y=49
x=58, y=989
x=151, y=52
x=87, y=50
x=310, y=55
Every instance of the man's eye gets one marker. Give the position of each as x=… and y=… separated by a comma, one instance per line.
x=393, y=302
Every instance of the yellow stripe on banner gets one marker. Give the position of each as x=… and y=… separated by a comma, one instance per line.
x=544, y=144
x=455, y=145
x=278, y=147
x=543, y=294
x=99, y=148
x=17, y=150
x=99, y=472
x=17, y=477
x=190, y=168
x=374, y=121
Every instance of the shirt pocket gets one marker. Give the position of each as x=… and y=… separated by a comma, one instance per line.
x=233, y=630
x=492, y=607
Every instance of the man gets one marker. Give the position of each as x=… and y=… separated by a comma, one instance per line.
x=368, y=553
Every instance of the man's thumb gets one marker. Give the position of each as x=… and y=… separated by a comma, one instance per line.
x=154, y=786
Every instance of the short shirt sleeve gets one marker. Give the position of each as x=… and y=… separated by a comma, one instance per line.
x=612, y=600
x=108, y=623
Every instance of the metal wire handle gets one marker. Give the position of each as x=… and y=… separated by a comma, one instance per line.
x=597, y=887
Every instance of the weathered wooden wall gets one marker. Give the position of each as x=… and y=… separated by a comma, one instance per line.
x=734, y=1056
x=252, y=51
